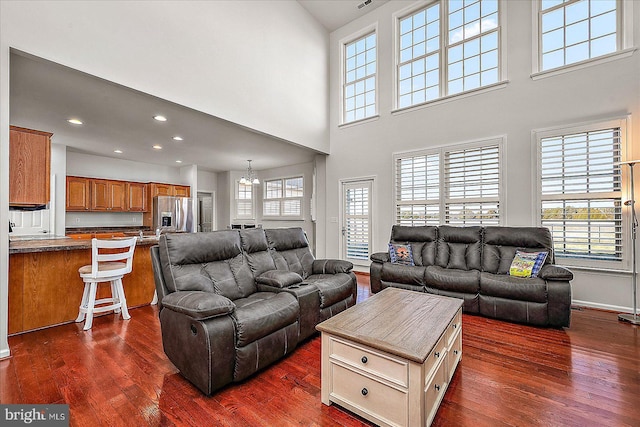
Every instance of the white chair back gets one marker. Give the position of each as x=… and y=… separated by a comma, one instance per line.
x=123, y=257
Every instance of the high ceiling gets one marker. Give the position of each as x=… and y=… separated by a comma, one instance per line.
x=333, y=14
x=44, y=95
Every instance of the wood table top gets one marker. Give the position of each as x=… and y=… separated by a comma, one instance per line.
x=401, y=322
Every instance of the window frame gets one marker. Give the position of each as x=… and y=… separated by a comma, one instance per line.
x=443, y=199
x=443, y=60
x=363, y=33
x=283, y=199
x=236, y=200
x=624, y=31
x=624, y=124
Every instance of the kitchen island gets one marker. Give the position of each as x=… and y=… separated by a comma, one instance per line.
x=45, y=288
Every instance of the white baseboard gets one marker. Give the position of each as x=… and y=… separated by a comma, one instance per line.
x=5, y=353
x=609, y=307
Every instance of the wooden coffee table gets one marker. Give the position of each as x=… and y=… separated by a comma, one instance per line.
x=390, y=358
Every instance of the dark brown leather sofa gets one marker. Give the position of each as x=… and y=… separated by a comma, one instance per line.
x=234, y=301
x=472, y=263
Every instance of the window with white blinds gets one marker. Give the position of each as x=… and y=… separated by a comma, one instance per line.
x=357, y=221
x=244, y=201
x=283, y=198
x=581, y=193
x=457, y=186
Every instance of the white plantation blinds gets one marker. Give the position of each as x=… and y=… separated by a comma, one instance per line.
x=357, y=222
x=472, y=184
x=581, y=193
x=449, y=186
x=418, y=190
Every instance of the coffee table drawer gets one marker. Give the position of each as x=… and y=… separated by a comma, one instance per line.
x=454, y=327
x=386, y=367
x=434, y=391
x=383, y=402
x=436, y=357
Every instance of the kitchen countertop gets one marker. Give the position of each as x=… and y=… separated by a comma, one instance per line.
x=17, y=246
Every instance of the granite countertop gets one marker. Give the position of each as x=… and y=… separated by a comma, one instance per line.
x=18, y=246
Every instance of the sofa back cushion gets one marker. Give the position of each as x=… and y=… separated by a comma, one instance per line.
x=290, y=250
x=256, y=250
x=423, y=241
x=459, y=247
x=209, y=262
x=501, y=244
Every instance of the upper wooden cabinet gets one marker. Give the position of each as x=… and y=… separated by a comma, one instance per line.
x=78, y=190
x=29, y=166
x=181, y=190
x=159, y=189
x=108, y=195
x=105, y=195
x=137, y=193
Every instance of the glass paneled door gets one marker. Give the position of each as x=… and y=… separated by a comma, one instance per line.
x=356, y=221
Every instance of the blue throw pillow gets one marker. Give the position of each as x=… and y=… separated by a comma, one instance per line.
x=401, y=254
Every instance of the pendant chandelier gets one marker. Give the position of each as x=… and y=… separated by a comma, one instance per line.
x=250, y=177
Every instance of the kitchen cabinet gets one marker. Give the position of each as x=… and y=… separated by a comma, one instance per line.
x=161, y=189
x=137, y=197
x=181, y=191
x=108, y=195
x=78, y=190
x=29, y=166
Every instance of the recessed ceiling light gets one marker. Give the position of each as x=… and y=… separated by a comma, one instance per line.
x=178, y=161
x=117, y=151
x=160, y=118
x=157, y=147
x=75, y=121
x=177, y=138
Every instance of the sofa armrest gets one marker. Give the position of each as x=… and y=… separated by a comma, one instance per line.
x=198, y=304
x=380, y=257
x=279, y=278
x=330, y=266
x=555, y=272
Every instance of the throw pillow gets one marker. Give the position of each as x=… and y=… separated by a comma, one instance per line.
x=401, y=254
x=527, y=264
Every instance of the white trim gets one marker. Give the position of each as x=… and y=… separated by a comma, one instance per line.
x=5, y=353
x=444, y=26
x=283, y=199
x=614, y=56
x=609, y=307
x=361, y=121
x=369, y=29
x=624, y=35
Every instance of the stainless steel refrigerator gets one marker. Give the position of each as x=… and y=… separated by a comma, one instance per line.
x=173, y=214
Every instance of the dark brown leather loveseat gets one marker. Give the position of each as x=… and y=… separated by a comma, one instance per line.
x=234, y=301
x=473, y=263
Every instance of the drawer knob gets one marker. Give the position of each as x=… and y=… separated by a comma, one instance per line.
x=364, y=359
x=455, y=352
x=437, y=387
x=455, y=326
x=364, y=391
x=437, y=354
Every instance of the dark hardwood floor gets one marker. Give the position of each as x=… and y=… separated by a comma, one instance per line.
x=117, y=374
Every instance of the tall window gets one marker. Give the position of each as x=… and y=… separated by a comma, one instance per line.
x=359, y=90
x=575, y=30
x=580, y=193
x=244, y=201
x=457, y=186
x=437, y=59
x=283, y=198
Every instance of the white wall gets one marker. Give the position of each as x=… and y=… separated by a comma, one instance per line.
x=600, y=91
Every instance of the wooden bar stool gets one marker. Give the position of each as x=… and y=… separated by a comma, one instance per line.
x=106, y=267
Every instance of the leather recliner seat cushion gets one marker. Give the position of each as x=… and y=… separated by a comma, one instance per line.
x=463, y=281
x=262, y=313
x=331, y=287
x=256, y=249
x=530, y=289
x=397, y=273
